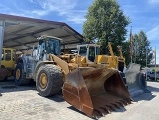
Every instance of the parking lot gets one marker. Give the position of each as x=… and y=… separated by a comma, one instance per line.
x=24, y=103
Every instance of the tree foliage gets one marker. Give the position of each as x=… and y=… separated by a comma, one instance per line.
x=105, y=21
x=126, y=51
x=141, y=47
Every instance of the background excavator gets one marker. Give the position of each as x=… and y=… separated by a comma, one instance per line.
x=91, y=87
x=7, y=63
x=132, y=76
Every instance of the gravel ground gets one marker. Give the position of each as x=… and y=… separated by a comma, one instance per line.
x=24, y=103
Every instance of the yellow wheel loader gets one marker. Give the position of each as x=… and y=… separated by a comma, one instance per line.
x=8, y=62
x=132, y=77
x=91, y=88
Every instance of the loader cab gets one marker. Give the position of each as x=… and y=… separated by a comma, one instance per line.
x=89, y=51
x=48, y=45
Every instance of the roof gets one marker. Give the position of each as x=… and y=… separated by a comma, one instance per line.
x=21, y=32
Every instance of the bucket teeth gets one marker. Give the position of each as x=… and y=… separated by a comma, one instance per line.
x=121, y=104
x=116, y=105
x=124, y=102
x=102, y=111
x=95, y=117
x=129, y=101
x=111, y=107
x=96, y=113
x=107, y=109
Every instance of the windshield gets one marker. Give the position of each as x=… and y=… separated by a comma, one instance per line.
x=83, y=51
x=49, y=46
x=53, y=46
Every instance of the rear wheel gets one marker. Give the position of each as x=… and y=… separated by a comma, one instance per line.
x=3, y=74
x=20, y=75
x=49, y=80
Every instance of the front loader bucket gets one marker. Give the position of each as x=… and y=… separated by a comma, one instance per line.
x=95, y=91
x=135, y=80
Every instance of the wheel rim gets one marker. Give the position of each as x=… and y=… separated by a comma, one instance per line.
x=18, y=74
x=43, y=80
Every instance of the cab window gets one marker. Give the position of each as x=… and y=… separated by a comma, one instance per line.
x=91, y=54
x=2, y=55
x=8, y=55
x=97, y=50
x=14, y=55
x=83, y=51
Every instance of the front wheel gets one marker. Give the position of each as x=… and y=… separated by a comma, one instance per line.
x=49, y=80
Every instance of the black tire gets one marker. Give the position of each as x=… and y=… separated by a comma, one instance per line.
x=53, y=76
x=21, y=80
x=4, y=78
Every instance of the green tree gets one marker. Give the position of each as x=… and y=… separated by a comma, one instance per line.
x=105, y=21
x=141, y=47
x=126, y=51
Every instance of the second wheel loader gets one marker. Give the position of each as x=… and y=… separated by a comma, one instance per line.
x=91, y=88
x=132, y=77
x=8, y=63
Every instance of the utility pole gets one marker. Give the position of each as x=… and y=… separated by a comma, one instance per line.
x=155, y=63
x=135, y=51
x=146, y=62
x=131, y=44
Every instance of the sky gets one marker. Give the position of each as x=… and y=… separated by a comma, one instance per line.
x=144, y=14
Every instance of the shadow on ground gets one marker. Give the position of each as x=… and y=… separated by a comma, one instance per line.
x=148, y=96
x=57, y=98
x=10, y=86
x=152, y=81
x=144, y=96
x=153, y=89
